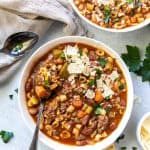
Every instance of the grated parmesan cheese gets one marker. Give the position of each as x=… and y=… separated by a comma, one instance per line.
x=90, y=94
x=75, y=68
x=114, y=75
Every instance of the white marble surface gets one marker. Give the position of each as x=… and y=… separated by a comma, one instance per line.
x=10, y=118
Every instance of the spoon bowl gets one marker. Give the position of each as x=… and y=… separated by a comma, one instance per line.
x=18, y=44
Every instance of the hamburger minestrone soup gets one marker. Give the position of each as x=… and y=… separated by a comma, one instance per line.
x=91, y=95
x=117, y=14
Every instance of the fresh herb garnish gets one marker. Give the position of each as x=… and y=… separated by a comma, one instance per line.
x=92, y=82
x=80, y=52
x=117, y=19
x=107, y=109
x=19, y=46
x=134, y=148
x=138, y=3
x=145, y=68
x=11, y=96
x=108, y=97
x=46, y=83
x=132, y=58
x=6, y=136
x=107, y=14
x=123, y=148
x=121, y=137
x=130, y=1
x=98, y=73
x=121, y=86
x=98, y=110
x=62, y=55
x=102, y=62
x=135, y=64
x=16, y=90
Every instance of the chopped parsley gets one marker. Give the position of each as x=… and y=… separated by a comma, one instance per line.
x=62, y=55
x=121, y=137
x=130, y=1
x=138, y=3
x=98, y=73
x=108, y=97
x=102, y=62
x=11, y=96
x=16, y=90
x=117, y=19
x=6, y=136
x=19, y=46
x=92, y=82
x=123, y=148
x=100, y=111
x=135, y=64
x=80, y=52
x=46, y=83
x=107, y=14
x=107, y=109
x=121, y=86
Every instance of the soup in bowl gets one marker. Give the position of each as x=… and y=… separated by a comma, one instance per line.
x=114, y=15
x=94, y=96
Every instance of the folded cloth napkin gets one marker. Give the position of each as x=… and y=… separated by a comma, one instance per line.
x=35, y=16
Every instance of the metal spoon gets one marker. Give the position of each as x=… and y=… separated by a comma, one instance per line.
x=19, y=43
x=63, y=74
x=34, y=143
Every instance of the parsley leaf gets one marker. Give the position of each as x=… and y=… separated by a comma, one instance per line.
x=46, y=83
x=121, y=87
x=16, y=90
x=6, y=136
x=100, y=111
x=98, y=73
x=123, y=148
x=11, y=96
x=62, y=55
x=18, y=47
x=92, y=82
x=138, y=4
x=134, y=148
x=148, y=51
x=121, y=137
x=132, y=58
x=145, y=70
x=102, y=62
x=80, y=52
x=107, y=14
x=130, y=1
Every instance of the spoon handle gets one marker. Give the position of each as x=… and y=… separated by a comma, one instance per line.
x=33, y=145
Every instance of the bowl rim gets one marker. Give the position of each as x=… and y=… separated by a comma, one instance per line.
x=138, y=131
x=44, y=49
x=128, y=29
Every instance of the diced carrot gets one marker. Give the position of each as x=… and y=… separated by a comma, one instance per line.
x=98, y=96
x=77, y=103
x=41, y=91
x=81, y=114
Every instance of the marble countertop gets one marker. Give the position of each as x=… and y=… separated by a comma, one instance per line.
x=10, y=118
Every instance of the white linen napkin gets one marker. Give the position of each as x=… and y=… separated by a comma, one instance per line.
x=35, y=16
